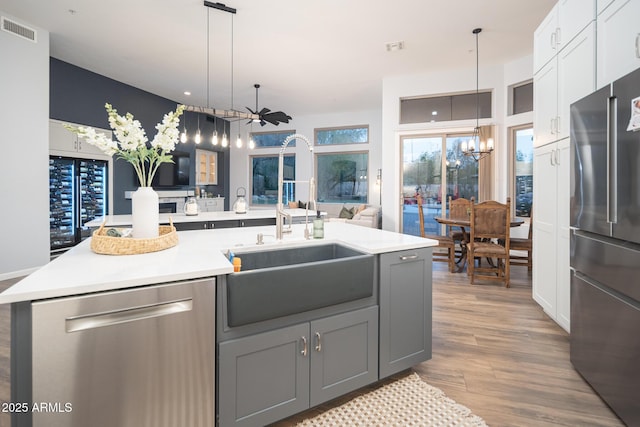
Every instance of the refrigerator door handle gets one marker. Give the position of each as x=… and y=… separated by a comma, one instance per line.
x=612, y=160
x=638, y=45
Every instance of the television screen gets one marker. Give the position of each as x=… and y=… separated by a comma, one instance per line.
x=173, y=174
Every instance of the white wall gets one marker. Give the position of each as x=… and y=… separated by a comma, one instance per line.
x=24, y=138
x=496, y=78
x=305, y=163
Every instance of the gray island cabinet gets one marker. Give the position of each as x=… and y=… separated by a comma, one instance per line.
x=292, y=366
x=145, y=339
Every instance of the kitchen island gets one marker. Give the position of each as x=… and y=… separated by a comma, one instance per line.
x=154, y=361
x=209, y=220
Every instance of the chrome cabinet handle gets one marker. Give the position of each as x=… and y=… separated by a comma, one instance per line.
x=304, y=346
x=558, y=38
x=638, y=45
x=552, y=126
x=92, y=321
x=408, y=257
x=557, y=157
x=558, y=125
x=318, y=342
x=553, y=39
x=551, y=157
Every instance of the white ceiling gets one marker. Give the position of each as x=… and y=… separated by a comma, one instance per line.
x=310, y=57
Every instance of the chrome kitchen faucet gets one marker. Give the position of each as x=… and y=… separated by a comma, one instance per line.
x=280, y=212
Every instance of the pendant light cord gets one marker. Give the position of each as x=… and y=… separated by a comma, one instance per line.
x=477, y=31
x=208, y=38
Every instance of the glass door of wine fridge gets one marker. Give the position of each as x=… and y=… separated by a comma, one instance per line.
x=78, y=194
x=62, y=196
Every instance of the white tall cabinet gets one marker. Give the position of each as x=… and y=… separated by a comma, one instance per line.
x=551, y=279
x=564, y=71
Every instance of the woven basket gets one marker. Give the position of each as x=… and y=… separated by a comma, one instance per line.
x=108, y=245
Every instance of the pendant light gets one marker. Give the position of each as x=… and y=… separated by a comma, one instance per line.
x=183, y=135
x=198, y=137
x=484, y=147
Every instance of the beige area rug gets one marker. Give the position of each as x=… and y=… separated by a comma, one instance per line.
x=406, y=402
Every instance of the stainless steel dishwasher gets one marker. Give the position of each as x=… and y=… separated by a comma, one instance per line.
x=139, y=357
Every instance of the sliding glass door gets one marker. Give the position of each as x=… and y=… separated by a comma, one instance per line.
x=434, y=167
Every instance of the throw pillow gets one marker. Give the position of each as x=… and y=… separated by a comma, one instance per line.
x=361, y=208
x=346, y=213
x=302, y=205
x=293, y=205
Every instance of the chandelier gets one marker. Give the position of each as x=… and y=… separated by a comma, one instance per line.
x=484, y=145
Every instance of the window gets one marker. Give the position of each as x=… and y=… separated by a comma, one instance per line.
x=445, y=108
x=272, y=139
x=425, y=172
x=264, y=179
x=342, y=178
x=342, y=135
x=521, y=98
x=522, y=169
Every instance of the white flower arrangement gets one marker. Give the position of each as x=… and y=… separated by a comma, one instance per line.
x=131, y=141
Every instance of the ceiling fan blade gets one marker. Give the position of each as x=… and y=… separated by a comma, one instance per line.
x=276, y=117
x=264, y=111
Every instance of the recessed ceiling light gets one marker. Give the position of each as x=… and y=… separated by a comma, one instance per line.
x=434, y=113
x=186, y=92
x=394, y=46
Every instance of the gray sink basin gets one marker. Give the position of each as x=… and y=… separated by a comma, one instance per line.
x=275, y=283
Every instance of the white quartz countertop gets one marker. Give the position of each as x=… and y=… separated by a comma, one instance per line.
x=198, y=254
x=125, y=220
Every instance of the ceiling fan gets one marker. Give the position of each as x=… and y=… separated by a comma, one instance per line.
x=266, y=115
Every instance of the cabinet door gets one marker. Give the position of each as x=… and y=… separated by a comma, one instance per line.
x=405, y=309
x=563, y=277
x=545, y=104
x=202, y=160
x=544, y=227
x=212, y=169
x=618, y=40
x=265, y=377
x=545, y=40
x=85, y=148
x=576, y=74
x=61, y=139
x=344, y=354
x=573, y=17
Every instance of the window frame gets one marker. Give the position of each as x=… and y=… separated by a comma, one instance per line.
x=282, y=131
x=513, y=130
x=331, y=128
x=251, y=178
x=346, y=153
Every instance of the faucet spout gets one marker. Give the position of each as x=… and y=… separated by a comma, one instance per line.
x=280, y=212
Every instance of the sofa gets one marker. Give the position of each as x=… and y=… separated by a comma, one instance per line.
x=353, y=213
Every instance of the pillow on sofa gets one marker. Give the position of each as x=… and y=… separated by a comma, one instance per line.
x=346, y=213
x=369, y=212
x=293, y=205
x=360, y=209
x=302, y=205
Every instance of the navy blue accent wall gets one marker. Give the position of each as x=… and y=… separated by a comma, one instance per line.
x=78, y=96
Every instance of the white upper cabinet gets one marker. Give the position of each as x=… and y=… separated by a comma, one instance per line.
x=565, y=79
x=64, y=142
x=545, y=41
x=576, y=74
x=573, y=17
x=602, y=5
x=545, y=104
x=618, y=43
x=564, y=22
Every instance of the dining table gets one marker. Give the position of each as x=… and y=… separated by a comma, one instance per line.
x=464, y=223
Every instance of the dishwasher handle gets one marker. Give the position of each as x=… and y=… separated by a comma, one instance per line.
x=110, y=318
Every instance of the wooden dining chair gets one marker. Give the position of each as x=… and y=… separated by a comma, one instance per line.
x=459, y=208
x=524, y=245
x=443, y=242
x=489, y=238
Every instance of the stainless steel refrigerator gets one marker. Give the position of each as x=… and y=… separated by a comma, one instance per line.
x=605, y=243
x=77, y=194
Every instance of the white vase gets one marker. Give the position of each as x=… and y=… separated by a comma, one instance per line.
x=145, y=213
